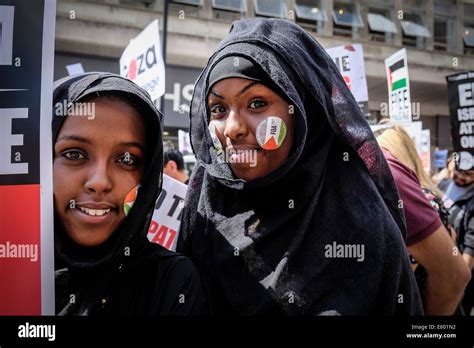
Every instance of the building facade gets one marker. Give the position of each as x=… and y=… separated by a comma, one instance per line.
x=438, y=36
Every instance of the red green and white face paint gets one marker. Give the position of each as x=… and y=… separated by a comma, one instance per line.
x=130, y=199
x=215, y=141
x=271, y=133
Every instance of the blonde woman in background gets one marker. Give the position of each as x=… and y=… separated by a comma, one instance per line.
x=399, y=143
x=441, y=275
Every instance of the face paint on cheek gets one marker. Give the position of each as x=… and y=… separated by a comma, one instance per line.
x=215, y=140
x=130, y=199
x=271, y=133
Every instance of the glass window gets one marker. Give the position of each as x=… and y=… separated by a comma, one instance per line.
x=446, y=8
x=469, y=12
x=310, y=10
x=229, y=5
x=381, y=3
x=145, y=3
x=412, y=25
x=347, y=14
x=271, y=8
x=413, y=4
x=469, y=36
x=189, y=2
x=440, y=30
x=380, y=18
x=378, y=22
x=444, y=25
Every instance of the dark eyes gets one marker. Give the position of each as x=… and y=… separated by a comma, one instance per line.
x=218, y=109
x=258, y=103
x=74, y=155
x=126, y=158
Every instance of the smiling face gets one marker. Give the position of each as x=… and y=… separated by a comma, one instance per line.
x=96, y=163
x=237, y=107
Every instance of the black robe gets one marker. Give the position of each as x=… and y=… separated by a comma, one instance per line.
x=126, y=275
x=270, y=246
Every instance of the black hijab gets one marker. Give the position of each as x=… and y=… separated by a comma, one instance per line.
x=132, y=232
x=261, y=245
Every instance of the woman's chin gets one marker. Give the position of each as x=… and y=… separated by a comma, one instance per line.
x=88, y=238
x=246, y=172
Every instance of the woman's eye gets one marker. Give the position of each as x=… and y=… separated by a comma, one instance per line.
x=127, y=159
x=217, y=109
x=255, y=104
x=73, y=155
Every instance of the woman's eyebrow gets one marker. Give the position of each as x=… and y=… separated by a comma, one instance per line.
x=217, y=94
x=132, y=144
x=243, y=90
x=75, y=138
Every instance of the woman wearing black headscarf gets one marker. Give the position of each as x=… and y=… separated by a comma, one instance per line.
x=107, y=173
x=291, y=208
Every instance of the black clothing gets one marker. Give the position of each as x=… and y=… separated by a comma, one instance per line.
x=264, y=247
x=462, y=219
x=126, y=275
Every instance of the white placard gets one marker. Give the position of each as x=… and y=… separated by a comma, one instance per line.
x=164, y=227
x=142, y=61
x=396, y=67
x=350, y=62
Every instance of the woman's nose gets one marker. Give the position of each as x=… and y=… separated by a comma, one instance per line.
x=235, y=126
x=99, y=180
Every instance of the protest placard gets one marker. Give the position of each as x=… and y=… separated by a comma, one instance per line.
x=26, y=197
x=399, y=102
x=142, y=61
x=349, y=60
x=164, y=227
x=461, y=107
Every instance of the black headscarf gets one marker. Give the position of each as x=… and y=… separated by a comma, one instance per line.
x=260, y=245
x=132, y=232
x=238, y=67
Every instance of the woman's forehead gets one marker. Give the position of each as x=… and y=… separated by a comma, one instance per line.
x=110, y=121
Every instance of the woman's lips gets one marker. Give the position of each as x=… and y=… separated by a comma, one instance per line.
x=240, y=148
x=94, y=213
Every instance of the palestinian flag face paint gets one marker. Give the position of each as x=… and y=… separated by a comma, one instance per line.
x=397, y=75
x=271, y=133
x=215, y=140
x=130, y=199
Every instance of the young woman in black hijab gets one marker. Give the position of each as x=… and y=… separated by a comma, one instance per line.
x=107, y=174
x=291, y=208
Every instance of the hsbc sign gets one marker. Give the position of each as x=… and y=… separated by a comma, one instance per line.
x=142, y=61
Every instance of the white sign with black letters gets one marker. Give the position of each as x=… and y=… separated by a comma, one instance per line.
x=142, y=61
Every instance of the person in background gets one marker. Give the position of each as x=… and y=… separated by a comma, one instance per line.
x=445, y=176
x=174, y=165
x=460, y=200
x=445, y=275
